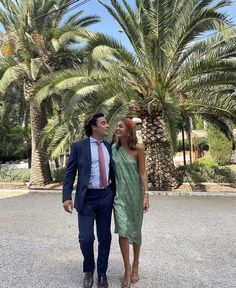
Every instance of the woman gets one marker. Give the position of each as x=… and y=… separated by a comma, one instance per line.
x=130, y=200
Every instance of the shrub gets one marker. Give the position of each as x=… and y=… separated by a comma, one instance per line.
x=14, y=175
x=203, y=144
x=58, y=174
x=23, y=175
x=199, y=123
x=219, y=146
x=205, y=170
x=205, y=161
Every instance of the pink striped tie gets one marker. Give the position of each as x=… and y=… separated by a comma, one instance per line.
x=102, y=167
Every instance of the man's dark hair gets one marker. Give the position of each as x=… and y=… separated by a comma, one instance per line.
x=91, y=120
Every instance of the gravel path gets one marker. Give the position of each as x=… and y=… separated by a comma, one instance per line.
x=188, y=242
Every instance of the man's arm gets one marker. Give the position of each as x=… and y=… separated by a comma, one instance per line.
x=69, y=179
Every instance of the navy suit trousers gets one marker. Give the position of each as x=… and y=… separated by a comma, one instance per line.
x=97, y=207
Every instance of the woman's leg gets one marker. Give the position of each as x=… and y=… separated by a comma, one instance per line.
x=135, y=266
x=124, y=248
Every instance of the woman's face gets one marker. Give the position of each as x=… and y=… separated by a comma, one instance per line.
x=121, y=130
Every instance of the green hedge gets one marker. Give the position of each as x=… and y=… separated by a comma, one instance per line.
x=219, y=146
x=23, y=175
x=14, y=175
x=205, y=170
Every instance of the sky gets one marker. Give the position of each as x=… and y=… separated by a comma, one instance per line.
x=109, y=26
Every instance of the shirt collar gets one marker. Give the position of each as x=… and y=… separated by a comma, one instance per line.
x=93, y=140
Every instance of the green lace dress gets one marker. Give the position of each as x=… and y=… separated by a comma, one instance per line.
x=128, y=203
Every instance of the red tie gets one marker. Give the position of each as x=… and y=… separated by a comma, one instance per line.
x=102, y=167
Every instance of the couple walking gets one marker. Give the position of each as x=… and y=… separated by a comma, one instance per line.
x=108, y=177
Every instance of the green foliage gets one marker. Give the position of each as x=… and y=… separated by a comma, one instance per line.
x=167, y=67
x=205, y=170
x=15, y=175
x=180, y=145
x=23, y=175
x=203, y=144
x=58, y=174
x=199, y=123
x=15, y=143
x=40, y=46
x=205, y=161
x=220, y=146
x=12, y=116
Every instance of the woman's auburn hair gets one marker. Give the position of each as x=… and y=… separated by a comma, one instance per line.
x=131, y=133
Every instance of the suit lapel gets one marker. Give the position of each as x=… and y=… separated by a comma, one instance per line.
x=88, y=153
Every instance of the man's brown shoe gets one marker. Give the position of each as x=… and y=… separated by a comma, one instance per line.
x=88, y=280
x=102, y=282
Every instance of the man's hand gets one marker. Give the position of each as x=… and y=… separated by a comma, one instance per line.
x=68, y=206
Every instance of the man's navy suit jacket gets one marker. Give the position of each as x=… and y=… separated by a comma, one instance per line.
x=80, y=160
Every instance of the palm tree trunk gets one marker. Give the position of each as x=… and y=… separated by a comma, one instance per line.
x=40, y=170
x=159, y=156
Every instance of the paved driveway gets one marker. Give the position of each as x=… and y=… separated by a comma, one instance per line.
x=188, y=242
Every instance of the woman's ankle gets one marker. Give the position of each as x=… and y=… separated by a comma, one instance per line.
x=135, y=264
x=127, y=267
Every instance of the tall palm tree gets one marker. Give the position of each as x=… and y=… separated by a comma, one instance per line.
x=161, y=33
x=168, y=71
x=38, y=43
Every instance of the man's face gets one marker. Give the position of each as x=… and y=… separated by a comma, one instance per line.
x=101, y=130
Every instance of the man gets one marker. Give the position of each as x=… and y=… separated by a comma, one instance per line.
x=91, y=157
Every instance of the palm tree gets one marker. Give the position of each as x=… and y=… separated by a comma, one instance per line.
x=162, y=35
x=168, y=71
x=38, y=43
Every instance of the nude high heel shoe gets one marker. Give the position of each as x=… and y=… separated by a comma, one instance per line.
x=127, y=284
x=134, y=278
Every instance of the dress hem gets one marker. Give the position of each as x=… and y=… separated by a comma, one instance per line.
x=130, y=241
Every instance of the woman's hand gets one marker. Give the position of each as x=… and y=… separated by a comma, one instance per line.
x=146, y=203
